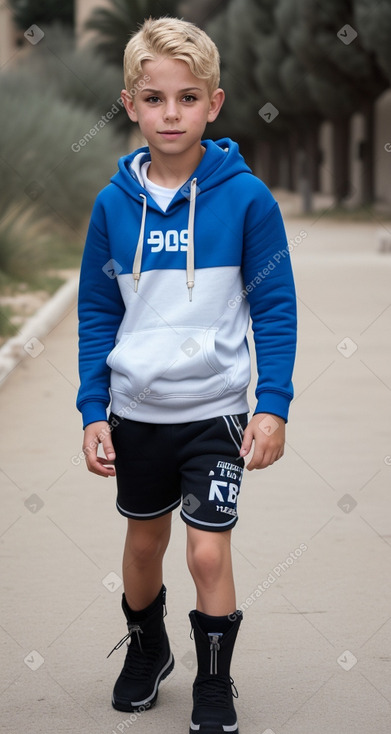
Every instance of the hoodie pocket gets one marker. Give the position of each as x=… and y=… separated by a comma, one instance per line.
x=178, y=362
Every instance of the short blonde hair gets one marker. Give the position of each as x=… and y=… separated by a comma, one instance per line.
x=175, y=39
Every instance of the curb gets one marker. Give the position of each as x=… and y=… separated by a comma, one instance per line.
x=27, y=341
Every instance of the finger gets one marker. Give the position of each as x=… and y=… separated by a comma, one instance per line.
x=248, y=438
x=263, y=459
x=95, y=434
x=108, y=447
x=100, y=466
x=257, y=459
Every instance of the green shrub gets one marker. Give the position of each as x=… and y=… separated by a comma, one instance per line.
x=48, y=187
x=39, y=170
x=7, y=328
x=77, y=75
x=28, y=248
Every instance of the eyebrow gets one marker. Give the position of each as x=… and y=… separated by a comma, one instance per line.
x=181, y=91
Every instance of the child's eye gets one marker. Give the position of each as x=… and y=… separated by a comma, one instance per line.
x=152, y=99
x=189, y=98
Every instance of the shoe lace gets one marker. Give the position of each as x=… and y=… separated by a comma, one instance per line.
x=215, y=691
x=138, y=661
x=131, y=628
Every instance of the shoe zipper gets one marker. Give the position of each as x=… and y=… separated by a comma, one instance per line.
x=214, y=647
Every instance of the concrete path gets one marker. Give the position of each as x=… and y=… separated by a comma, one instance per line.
x=312, y=550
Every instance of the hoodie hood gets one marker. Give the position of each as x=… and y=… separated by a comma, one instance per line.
x=220, y=161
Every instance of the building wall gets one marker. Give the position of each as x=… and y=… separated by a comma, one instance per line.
x=8, y=37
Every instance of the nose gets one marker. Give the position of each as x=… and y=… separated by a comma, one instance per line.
x=171, y=111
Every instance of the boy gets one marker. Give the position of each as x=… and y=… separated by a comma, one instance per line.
x=183, y=245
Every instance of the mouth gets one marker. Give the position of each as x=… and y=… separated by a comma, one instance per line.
x=171, y=134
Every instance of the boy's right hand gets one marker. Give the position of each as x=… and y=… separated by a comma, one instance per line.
x=94, y=434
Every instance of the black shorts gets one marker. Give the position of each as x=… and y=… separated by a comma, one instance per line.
x=158, y=466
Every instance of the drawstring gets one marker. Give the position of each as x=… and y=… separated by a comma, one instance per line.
x=132, y=628
x=140, y=243
x=190, y=247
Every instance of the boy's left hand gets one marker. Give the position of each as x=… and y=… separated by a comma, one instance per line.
x=268, y=433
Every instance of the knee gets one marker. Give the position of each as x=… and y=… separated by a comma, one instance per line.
x=205, y=561
x=144, y=548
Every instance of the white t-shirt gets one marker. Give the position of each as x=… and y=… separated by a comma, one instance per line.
x=161, y=194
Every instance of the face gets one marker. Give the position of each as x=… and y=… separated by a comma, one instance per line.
x=174, y=106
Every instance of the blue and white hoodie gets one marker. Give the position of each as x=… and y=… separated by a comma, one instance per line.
x=165, y=297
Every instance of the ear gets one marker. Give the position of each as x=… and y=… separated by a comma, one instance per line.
x=216, y=103
x=128, y=101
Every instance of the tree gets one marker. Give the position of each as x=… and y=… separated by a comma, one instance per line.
x=114, y=25
x=373, y=22
x=201, y=12
x=29, y=12
x=342, y=77
x=258, y=68
x=282, y=80
x=238, y=115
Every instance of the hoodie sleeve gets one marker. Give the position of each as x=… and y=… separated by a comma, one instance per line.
x=100, y=309
x=269, y=285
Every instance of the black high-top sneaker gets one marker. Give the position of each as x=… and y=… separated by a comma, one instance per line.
x=213, y=688
x=148, y=659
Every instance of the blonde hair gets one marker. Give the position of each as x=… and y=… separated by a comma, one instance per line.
x=175, y=39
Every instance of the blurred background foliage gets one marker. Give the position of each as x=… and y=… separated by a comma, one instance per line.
x=114, y=24
x=284, y=52
x=42, y=12
x=52, y=96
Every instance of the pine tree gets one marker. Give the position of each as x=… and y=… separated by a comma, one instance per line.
x=114, y=25
x=373, y=23
x=342, y=77
x=45, y=12
x=259, y=69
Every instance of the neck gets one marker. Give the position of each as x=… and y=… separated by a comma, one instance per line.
x=173, y=170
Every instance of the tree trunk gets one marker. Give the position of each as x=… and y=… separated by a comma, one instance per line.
x=368, y=173
x=264, y=160
x=312, y=150
x=258, y=162
x=340, y=159
x=247, y=149
x=304, y=180
x=293, y=148
x=274, y=164
x=285, y=163
x=308, y=162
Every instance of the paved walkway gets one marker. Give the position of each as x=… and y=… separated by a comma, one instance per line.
x=313, y=545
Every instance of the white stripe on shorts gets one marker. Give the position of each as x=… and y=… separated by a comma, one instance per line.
x=228, y=424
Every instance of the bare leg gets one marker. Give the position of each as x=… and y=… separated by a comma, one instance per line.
x=142, y=567
x=210, y=564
